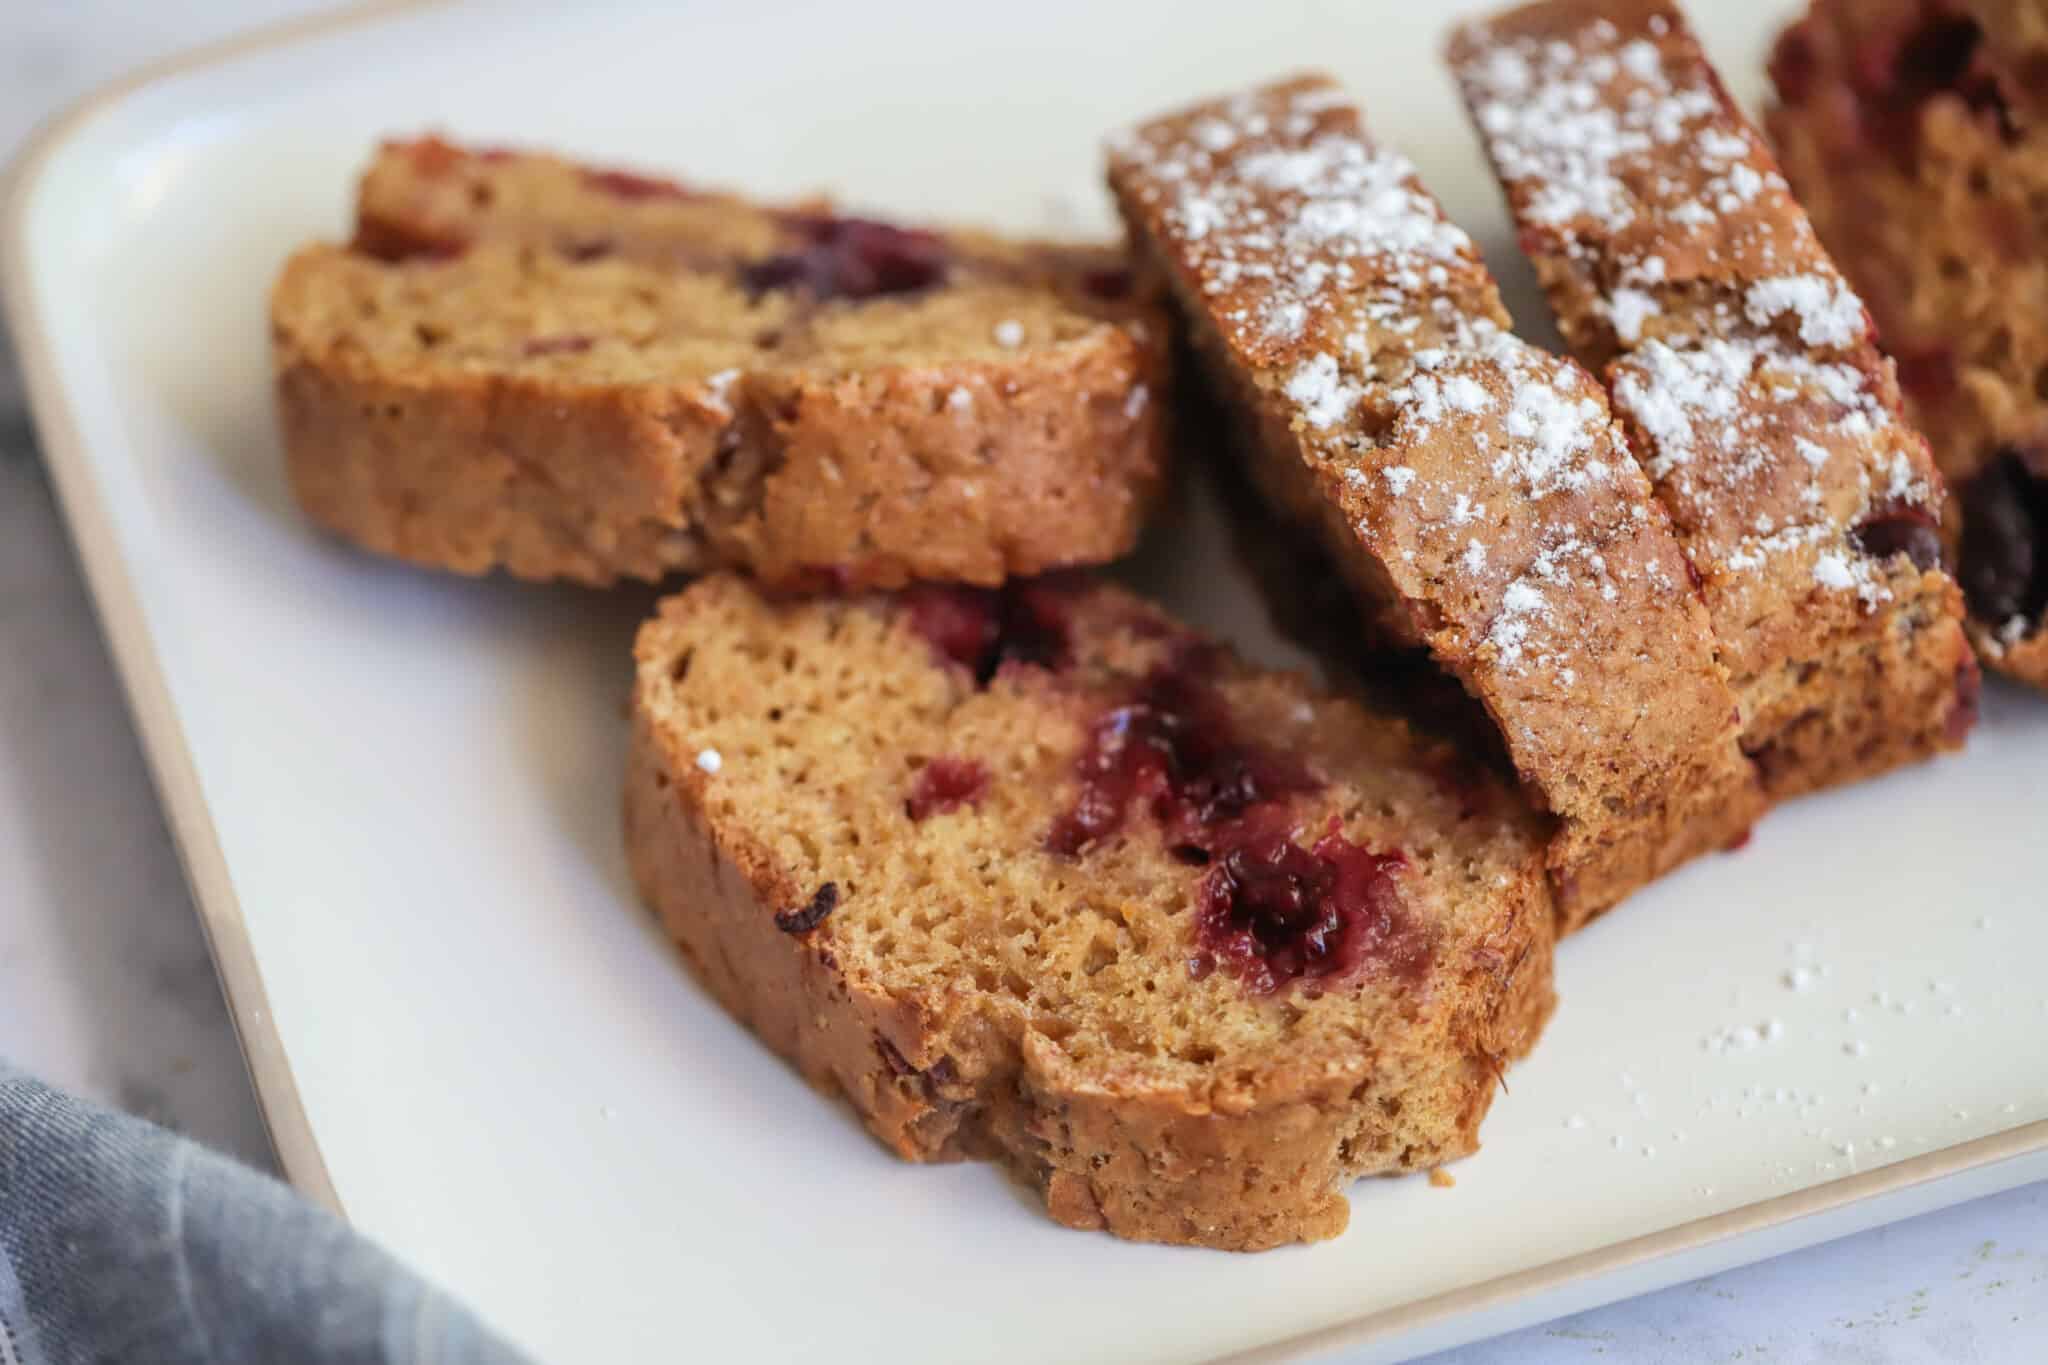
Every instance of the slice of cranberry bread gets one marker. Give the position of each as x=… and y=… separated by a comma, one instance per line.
x=805, y=398
x=1916, y=133
x=1040, y=876
x=430, y=197
x=427, y=196
x=1474, y=489
x=1744, y=368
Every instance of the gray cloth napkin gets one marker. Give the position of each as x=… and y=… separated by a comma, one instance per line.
x=122, y=1244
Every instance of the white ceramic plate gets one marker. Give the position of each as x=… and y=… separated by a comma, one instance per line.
x=397, y=792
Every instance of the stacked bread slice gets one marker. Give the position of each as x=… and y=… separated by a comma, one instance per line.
x=1746, y=371
x=1475, y=490
x=586, y=374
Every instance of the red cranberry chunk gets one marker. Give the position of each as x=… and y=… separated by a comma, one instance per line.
x=1935, y=56
x=434, y=155
x=944, y=784
x=430, y=155
x=1272, y=913
x=1928, y=374
x=396, y=242
x=568, y=344
x=981, y=629
x=1901, y=529
x=630, y=186
x=1794, y=64
x=1108, y=283
x=1962, y=714
x=2005, y=541
x=1895, y=76
x=1468, y=781
x=1174, y=750
x=851, y=258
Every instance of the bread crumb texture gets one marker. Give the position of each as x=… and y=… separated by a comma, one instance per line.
x=1146, y=1020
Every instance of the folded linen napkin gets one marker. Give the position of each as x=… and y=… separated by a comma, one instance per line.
x=122, y=1244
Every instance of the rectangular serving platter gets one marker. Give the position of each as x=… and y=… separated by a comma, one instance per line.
x=397, y=794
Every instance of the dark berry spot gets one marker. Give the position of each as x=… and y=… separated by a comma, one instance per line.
x=1928, y=375
x=1962, y=716
x=1901, y=529
x=811, y=915
x=893, y=1058
x=1794, y=64
x=1895, y=75
x=945, y=784
x=394, y=242
x=571, y=343
x=851, y=258
x=2005, y=527
x=589, y=249
x=981, y=629
x=434, y=156
x=1107, y=284
x=627, y=185
x=1934, y=56
x=1468, y=781
x=430, y=156
x=1174, y=750
x=1271, y=913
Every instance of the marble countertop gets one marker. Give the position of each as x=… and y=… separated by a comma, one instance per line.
x=105, y=984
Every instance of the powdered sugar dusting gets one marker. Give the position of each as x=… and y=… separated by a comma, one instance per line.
x=1828, y=313
x=1756, y=393
x=1752, y=423
x=1630, y=153
x=1323, y=398
x=1556, y=421
x=1628, y=310
x=1331, y=272
x=1580, y=122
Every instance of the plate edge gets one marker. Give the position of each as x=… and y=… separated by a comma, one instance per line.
x=203, y=862
x=121, y=620
x=2010, y=1145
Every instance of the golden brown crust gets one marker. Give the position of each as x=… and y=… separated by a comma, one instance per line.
x=513, y=398
x=1246, y=1146
x=1744, y=368
x=1474, y=490
x=1911, y=132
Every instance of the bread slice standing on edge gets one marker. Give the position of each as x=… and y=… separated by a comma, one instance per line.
x=1745, y=368
x=1475, y=490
